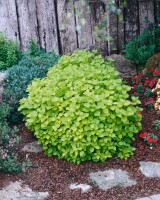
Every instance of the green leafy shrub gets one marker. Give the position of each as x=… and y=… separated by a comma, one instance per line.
x=9, y=52
x=34, y=64
x=81, y=110
x=142, y=47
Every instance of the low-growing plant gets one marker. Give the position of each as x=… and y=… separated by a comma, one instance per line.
x=143, y=85
x=150, y=102
x=148, y=93
x=81, y=110
x=157, y=124
x=34, y=64
x=140, y=88
x=156, y=74
x=9, y=52
x=149, y=138
x=8, y=143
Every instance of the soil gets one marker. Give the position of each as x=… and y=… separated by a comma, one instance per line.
x=53, y=175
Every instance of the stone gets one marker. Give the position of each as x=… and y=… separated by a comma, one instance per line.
x=15, y=191
x=153, y=61
x=111, y=178
x=150, y=169
x=145, y=198
x=83, y=187
x=125, y=67
x=153, y=197
x=32, y=147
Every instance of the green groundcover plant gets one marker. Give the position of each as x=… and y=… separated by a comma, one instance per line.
x=82, y=110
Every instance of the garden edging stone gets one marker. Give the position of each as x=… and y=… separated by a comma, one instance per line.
x=32, y=147
x=150, y=169
x=111, y=178
x=153, y=197
x=15, y=191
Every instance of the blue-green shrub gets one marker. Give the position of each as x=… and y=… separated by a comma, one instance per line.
x=34, y=64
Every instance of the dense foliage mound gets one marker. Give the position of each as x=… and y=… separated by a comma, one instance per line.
x=143, y=46
x=9, y=52
x=34, y=63
x=81, y=110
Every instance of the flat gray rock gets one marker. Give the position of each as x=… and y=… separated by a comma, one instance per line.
x=125, y=67
x=111, y=178
x=153, y=197
x=32, y=147
x=150, y=169
x=15, y=191
x=83, y=187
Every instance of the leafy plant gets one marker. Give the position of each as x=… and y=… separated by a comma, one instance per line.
x=34, y=64
x=148, y=93
x=157, y=124
x=156, y=74
x=149, y=138
x=140, y=48
x=8, y=143
x=81, y=110
x=140, y=88
x=150, y=102
x=141, y=84
x=9, y=52
x=26, y=164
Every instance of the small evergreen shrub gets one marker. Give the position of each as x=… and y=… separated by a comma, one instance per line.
x=9, y=52
x=34, y=64
x=142, y=47
x=81, y=110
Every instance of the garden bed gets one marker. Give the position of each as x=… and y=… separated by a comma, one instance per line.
x=55, y=175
